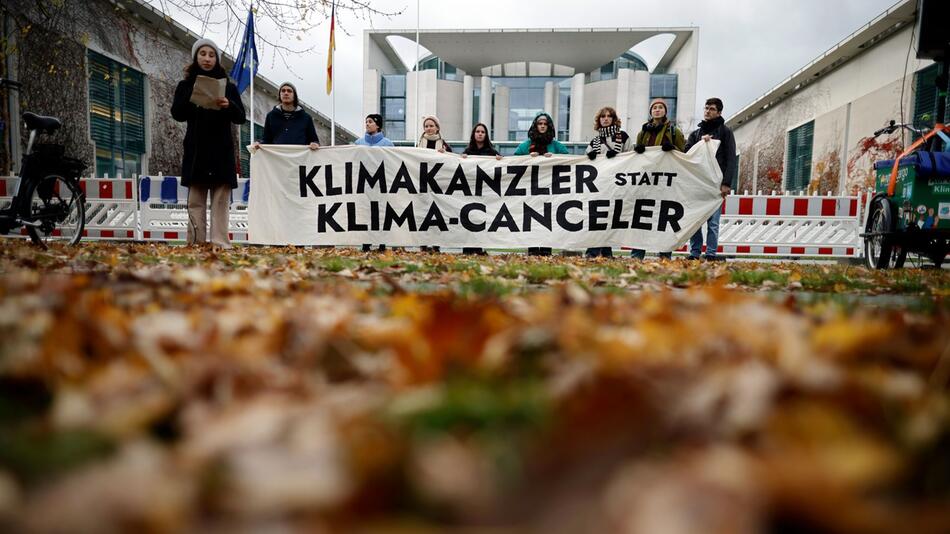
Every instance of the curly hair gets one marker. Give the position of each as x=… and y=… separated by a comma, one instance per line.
x=609, y=111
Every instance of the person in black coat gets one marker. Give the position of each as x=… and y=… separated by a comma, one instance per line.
x=288, y=123
x=479, y=144
x=713, y=126
x=209, y=162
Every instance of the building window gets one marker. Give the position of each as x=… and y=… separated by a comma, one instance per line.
x=665, y=86
x=246, y=140
x=392, y=105
x=925, y=97
x=476, y=104
x=798, y=157
x=116, y=116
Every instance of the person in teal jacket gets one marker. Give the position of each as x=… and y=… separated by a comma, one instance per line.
x=541, y=141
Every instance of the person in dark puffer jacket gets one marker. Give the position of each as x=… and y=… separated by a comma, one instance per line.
x=288, y=123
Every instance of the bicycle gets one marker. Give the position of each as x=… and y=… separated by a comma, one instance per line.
x=49, y=201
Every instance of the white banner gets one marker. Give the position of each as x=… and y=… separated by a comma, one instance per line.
x=352, y=195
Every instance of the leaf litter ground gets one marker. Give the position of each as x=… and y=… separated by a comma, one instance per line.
x=157, y=388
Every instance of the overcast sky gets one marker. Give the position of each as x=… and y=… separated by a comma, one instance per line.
x=745, y=46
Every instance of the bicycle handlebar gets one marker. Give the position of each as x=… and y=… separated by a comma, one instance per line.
x=893, y=127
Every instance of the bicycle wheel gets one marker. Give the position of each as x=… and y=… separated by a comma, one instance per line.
x=55, y=210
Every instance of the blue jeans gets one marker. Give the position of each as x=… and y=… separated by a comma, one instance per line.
x=712, y=237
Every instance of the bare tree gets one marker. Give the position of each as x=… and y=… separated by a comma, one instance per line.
x=293, y=20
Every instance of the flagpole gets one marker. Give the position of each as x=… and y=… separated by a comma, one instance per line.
x=418, y=80
x=253, y=72
x=333, y=99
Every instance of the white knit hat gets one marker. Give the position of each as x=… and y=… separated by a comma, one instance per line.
x=205, y=42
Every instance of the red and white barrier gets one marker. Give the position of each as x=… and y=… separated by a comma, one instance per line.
x=154, y=208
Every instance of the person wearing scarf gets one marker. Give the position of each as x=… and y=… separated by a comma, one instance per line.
x=432, y=138
x=541, y=141
x=662, y=132
x=208, y=163
x=432, y=135
x=608, y=140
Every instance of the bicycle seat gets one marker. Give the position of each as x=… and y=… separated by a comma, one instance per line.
x=39, y=122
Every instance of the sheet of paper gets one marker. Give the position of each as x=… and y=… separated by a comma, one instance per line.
x=207, y=91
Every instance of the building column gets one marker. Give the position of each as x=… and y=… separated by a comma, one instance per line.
x=372, y=85
x=468, y=85
x=639, y=104
x=577, y=121
x=428, y=98
x=550, y=99
x=484, y=102
x=500, y=129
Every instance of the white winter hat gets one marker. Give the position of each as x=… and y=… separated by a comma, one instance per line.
x=205, y=42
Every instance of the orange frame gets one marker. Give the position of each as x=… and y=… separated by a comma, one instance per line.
x=892, y=184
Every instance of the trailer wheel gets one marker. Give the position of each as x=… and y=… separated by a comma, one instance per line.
x=881, y=251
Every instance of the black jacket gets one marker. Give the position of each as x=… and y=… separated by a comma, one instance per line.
x=209, y=157
x=726, y=155
x=484, y=151
x=298, y=129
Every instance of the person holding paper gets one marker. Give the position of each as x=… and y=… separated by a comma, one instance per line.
x=288, y=123
x=209, y=103
x=541, y=141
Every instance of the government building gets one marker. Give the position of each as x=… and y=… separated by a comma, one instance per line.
x=504, y=77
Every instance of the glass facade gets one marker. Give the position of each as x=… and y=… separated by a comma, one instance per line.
x=526, y=100
x=665, y=86
x=609, y=71
x=392, y=105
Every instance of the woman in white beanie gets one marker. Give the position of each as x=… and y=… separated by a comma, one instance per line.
x=209, y=164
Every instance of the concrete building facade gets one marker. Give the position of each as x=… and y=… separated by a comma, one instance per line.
x=504, y=77
x=108, y=69
x=813, y=131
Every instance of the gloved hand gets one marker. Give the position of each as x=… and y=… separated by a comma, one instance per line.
x=667, y=146
x=591, y=155
x=611, y=153
x=639, y=149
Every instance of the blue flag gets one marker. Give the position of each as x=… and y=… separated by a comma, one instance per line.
x=245, y=64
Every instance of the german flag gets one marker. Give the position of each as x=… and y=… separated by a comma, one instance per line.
x=331, y=48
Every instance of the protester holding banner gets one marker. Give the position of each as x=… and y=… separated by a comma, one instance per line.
x=288, y=123
x=209, y=162
x=713, y=126
x=479, y=144
x=662, y=132
x=432, y=139
x=374, y=132
x=432, y=135
x=608, y=140
x=541, y=141
x=374, y=137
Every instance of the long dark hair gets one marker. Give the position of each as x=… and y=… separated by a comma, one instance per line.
x=538, y=139
x=473, y=146
x=194, y=69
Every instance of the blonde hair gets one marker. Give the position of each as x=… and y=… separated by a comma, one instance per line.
x=611, y=112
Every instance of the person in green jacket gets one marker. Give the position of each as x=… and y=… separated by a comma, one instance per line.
x=662, y=132
x=541, y=141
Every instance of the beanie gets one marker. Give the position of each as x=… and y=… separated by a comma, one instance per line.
x=205, y=42
x=377, y=118
x=666, y=108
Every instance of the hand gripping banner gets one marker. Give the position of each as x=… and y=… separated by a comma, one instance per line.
x=411, y=196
